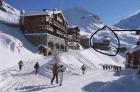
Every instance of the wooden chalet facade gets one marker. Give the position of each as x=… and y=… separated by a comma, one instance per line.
x=103, y=45
x=46, y=27
x=75, y=32
x=73, y=37
x=133, y=58
x=84, y=41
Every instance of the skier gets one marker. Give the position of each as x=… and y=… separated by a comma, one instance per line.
x=109, y=67
x=55, y=73
x=20, y=64
x=120, y=68
x=36, y=66
x=103, y=67
x=83, y=68
x=117, y=68
x=61, y=70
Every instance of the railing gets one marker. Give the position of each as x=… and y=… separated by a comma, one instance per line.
x=58, y=25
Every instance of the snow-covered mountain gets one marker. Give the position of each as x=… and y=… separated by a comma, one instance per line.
x=90, y=22
x=84, y=19
x=132, y=22
x=14, y=47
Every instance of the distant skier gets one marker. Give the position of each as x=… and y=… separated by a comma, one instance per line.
x=55, y=73
x=116, y=68
x=120, y=68
x=20, y=64
x=61, y=71
x=109, y=67
x=103, y=67
x=83, y=68
x=36, y=66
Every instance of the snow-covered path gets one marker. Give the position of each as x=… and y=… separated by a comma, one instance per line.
x=29, y=82
x=95, y=80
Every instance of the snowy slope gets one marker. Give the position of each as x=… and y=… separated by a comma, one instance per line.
x=89, y=23
x=132, y=22
x=26, y=80
x=13, y=50
x=82, y=18
x=16, y=32
x=9, y=9
x=9, y=14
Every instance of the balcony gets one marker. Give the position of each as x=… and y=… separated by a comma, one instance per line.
x=57, y=24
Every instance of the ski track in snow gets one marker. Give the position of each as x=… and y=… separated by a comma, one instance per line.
x=93, y=81
x=29, y=82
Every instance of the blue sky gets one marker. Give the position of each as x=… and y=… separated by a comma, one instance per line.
x=110, y=11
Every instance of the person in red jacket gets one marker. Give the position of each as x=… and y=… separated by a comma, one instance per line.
x=55, y=73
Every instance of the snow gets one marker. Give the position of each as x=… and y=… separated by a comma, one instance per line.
x=95, y=80
x=47, y=12
x=135, y=48
x=10, y=14
x=132, y=22
x=82, y=18
x=15, y=51
x=89, y=23
x=10, y=18
x=10, y=9
x=14, y=47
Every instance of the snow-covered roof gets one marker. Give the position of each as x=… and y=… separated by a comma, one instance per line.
x=138, y=39
x=136, y=48
x=47, y=12
x=72, y=43
x=10, y=9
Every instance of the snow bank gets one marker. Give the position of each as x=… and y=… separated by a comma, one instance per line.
x=12, y=51
x=90, y=58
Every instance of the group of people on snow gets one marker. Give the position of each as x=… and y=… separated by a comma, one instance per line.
x=56, y=70
x=36, y=66
x=112, y=67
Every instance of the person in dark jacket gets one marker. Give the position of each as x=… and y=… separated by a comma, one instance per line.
x=103, y=67
x=55, y=73
x=20, y=64
x=36, y=66
x=83, y=68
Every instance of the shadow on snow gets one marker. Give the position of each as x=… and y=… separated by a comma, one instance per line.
x=129, y=81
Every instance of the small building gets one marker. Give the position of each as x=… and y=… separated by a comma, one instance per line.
x=138, y=32
x=73, y=39
x=84, y=41
x=102, y=44
x=46, y=27
x=133, y=58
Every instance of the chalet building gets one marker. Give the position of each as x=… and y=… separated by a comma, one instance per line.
x=133, y=58
x=73, y=38
x=84, y=41
x=46, y=27
x=102, y=45
x=137, y=32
